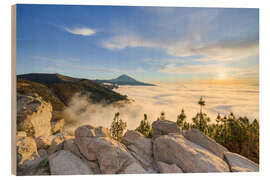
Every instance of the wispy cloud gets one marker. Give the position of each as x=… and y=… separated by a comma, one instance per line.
x=83, y=31
x=127, y=41
x=223, y=50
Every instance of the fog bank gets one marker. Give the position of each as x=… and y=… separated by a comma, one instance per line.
x=243, y=100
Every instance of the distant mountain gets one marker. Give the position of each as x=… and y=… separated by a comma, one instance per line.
x=125, y=80
x=59, y=89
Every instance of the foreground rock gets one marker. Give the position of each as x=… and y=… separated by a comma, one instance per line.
x=175, y=149
x=66, y=163
x=164, y=127
x=26, y=150
x=29, y=160
x=112, y=156
x=168, y=168
x=239, y=163
x=33, y=115
x=197, y=137
x=71, y=146
x=57, y=126
x=140, y=147
x=57, y=143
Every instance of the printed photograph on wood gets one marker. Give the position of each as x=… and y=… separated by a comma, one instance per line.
x=135, y=90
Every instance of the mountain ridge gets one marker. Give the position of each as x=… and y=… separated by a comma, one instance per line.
x=125, y=80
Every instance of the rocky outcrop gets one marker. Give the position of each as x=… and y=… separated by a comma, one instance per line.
x=93, y=151
x=65, y=163
x=58, y=142
x=168, y=168
x=133, y=168
x=33, y=115
x=57, y=126
x=26, y=150
x=140, y=147
x=112, y=156
x=197, y=137
x=175, y=149
x=164, y=127
x=239, y=163
x=44, y=142
x=30, y=161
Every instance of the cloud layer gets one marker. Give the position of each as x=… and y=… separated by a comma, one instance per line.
x=243, y=100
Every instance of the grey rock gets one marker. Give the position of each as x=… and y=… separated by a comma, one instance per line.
x=190, y=157
x=66, y=163
x=239, y=163
x=168, y=168
x=164, y=127
x=197, y=137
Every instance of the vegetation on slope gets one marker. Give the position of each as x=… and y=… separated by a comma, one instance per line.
x=59, y=89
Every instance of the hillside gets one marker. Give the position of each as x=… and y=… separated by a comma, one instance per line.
x=59, y=89
x=125, y=80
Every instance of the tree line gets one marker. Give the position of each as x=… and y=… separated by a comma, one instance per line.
x=237, y=134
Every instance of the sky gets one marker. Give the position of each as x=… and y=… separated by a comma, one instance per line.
x=151, y=44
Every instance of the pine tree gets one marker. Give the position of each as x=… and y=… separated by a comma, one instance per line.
x=181, y=119
x=117, y=127
x=145, y=127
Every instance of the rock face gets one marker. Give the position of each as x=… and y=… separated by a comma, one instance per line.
x=33, y=115
x=164, y=127
x=26, y=150
x=29, y=160
x=112, y=156
x=66, y=163
x=44, y=142
x=133, y=168
x=57, y=126
x=168, y=168
x=239, y=163
x=140, y=147
x=197, y=137
x=58, y=142
x=175, y=149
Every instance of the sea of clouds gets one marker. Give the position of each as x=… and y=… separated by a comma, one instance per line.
x=242, y=100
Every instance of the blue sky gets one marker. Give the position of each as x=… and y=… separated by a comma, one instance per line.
x=148, y=43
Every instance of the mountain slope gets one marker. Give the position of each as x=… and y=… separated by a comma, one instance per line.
x=125, y=80
x=62, y=87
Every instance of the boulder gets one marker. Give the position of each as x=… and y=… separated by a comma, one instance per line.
x=33, y=115
x=26, y=150
x=239, y=163
x=164, y=127
x=71, y=146
x=44, y=142
x=20, y=135
x=30, y=161
x=58, y=142
x=197, y=137
x=57, y=126
x=190, y=157
x=84, y=135
x=112, y=156
x=66, y=163
x=140, y=147
x=168, y=168
x=134, y=168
